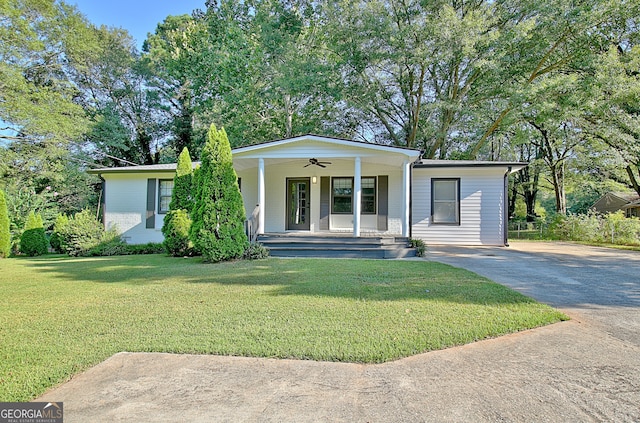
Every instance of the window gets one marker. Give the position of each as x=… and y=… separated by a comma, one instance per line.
x=164, y=197
x=445, y=201
x=342, y=195
x=368, y=199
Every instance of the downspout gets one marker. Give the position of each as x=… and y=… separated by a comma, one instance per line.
x=505, y=211
x=102, y=201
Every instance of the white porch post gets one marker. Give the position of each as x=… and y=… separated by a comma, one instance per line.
x=406, y=197
x=357, y=195
x=261, y=203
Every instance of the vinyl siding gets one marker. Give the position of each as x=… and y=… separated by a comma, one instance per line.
x=481, y=207
x=126, y=206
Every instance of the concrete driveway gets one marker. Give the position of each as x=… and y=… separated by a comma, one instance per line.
x=587, y=369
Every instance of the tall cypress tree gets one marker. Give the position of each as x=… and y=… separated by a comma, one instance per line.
x=5, y=233
x=177, y=222
x=218, y=215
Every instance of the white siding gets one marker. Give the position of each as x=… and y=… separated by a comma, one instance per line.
x=126, y=206
x=481, y=207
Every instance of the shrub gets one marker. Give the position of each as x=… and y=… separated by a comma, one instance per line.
x=5, y=233
x=218, y=216
x=256, y=251
x=149, y=248
x=82, y=232
x=55, y=240
x=612, y=228
x=176, y=223
x=419, y=245
x=33, y=241
x=176, y=233
x=117, y=247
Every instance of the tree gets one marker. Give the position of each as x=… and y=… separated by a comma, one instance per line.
x=177, y=222
x=173, y=56
x=33, y=241
x=5, y=233
x=37, y=104
x=218, y=216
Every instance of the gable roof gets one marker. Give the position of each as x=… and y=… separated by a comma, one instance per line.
x=329, y=140
x=613, y=201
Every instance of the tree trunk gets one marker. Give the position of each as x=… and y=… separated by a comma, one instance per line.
x=632, y=178
x=288, y=123
x=557, y=179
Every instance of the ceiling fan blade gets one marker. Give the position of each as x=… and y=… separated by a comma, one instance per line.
x=320, y=164
x=307, y=165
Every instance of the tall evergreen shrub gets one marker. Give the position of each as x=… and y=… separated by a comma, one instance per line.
x=218, y=216
x=176, y=223
x=5, y=233
x=33, y=241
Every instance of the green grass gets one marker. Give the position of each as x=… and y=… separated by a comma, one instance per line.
x=61, y=315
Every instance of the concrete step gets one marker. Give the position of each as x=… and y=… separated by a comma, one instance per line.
x=337, y=246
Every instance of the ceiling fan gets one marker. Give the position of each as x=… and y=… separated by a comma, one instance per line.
x=316, y=162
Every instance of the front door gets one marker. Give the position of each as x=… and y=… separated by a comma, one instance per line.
x=298, y=204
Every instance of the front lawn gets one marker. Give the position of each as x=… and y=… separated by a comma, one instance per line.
x=61, y=315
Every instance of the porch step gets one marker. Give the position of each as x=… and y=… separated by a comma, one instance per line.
x=284, y=245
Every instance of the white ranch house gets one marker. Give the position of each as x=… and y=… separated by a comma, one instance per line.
x=321, y=186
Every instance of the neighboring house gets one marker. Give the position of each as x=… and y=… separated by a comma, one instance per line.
x=322, y=185
x=632, y=209
x=614, y=201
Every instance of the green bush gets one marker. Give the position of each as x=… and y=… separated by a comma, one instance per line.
x=82, y=233
x=149, y=248
x=5, y=232
x=177, y=223
x=117, y=247
x=218, y=216
x=33, y=241
x=419, y=245
x=56, y=240
x=613, y=228
x=176, y=233
x=256, y=251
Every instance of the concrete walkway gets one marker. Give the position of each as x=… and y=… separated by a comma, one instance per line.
x=587, y=369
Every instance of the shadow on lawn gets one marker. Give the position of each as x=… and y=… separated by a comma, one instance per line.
x=369, y=280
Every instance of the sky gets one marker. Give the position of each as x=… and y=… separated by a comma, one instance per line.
x=139, y=17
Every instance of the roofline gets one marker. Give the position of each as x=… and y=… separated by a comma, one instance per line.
x=455, y=163
x=335, y=140
x=170, y=168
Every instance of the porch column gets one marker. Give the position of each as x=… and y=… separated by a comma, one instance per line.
x=357, y=196
x=261, y=204
x=406, y=197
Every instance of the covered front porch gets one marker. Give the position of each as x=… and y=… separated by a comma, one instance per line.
x=312, y=184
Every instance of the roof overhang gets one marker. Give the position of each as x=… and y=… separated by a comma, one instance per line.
x=511, y=167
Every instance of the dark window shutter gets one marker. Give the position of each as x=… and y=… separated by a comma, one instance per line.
x=383, y=202
x=325, y=202
x=151, y=203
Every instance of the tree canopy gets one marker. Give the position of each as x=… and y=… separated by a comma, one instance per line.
x=553, y=82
